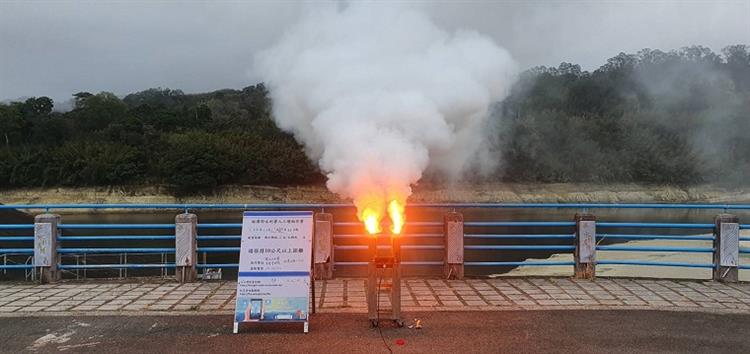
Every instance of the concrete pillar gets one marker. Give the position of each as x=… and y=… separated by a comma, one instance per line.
x=323, y=246
x=584, y=255
x=186, y=247
x=46, y=257
x=453, y=228
x=726, y=248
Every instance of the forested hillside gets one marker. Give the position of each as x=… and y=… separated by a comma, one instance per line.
x=189, y=142
x=679, y=117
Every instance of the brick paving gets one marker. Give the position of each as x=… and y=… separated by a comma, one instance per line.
x=348, y=295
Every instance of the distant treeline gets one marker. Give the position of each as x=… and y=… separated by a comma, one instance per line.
x=679, y=117
x=191, y=143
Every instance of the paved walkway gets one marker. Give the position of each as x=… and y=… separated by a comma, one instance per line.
x=348, y=295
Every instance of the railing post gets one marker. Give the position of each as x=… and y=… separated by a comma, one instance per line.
x=186, y=247
x=323, y=246
x=453, y=228
x=46, y=257
x=726, y=248
x=584, y=255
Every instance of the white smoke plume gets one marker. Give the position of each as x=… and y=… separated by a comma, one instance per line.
x=378, y=94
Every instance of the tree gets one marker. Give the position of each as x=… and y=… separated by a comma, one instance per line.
x=96, y=112
x=11, y=124
x=37, y=107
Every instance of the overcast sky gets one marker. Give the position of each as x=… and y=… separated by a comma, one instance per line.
x=56, y=48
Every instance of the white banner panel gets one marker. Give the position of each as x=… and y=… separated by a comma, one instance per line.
x=273, y=282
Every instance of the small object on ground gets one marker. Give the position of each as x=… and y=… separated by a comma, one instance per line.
x=400, y=342
x=418, y=325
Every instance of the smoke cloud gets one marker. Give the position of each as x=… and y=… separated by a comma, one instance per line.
x=378, y=94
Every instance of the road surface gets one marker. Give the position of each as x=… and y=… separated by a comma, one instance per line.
x=600, y=331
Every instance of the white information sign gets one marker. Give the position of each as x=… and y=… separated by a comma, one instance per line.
x=273, y=283
x=43, y=244
x=587, y=241
x=730, y=244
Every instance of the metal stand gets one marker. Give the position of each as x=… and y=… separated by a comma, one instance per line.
x=379, y=266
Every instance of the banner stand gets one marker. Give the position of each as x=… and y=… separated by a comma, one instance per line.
x=275, y=273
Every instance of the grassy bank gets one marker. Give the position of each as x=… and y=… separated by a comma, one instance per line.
x=509, y=193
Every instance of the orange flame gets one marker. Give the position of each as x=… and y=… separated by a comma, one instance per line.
x=371, y=218
x=396, y=213
x=373, y=207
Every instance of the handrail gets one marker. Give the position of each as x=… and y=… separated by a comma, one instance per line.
x=219, y=226
x=403, y=263
x=514, y=264
x=655, y=264
x=408, y=223
x=655, y=249
x=16, y=266
x=16, y=238
x=16, y=226
x=114, y=250
x=16, y=251
x=405, y=247
x=519, y=223
x=513, y=236
x=218, y=249
x=115, y=266
x=406, y=235
x=655, y=225
x=656, y=237
x=115, y=226
x=521, y=247
x=217, y=265
x=218, y=237
x=115, y=237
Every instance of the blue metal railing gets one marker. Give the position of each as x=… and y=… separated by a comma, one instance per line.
x=17, y=238
x=477, y=231
x=524, y=263
x=655, y=264
x=99, y=250
x=521, y=236
x=17, y=251
x=654, y=249
x=115, y=238
x=115, y=226
x=219, y=226
x=656, y=237
x=16, y=227
x=413, y=224
x=519, y=223
x=115, y=266
x=405, y=235
x=494, y=248
x=644, y=225
x=12, y=256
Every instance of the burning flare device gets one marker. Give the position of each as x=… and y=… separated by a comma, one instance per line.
x=384, y=263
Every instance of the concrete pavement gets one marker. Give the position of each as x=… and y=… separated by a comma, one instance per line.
x=160, y=297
